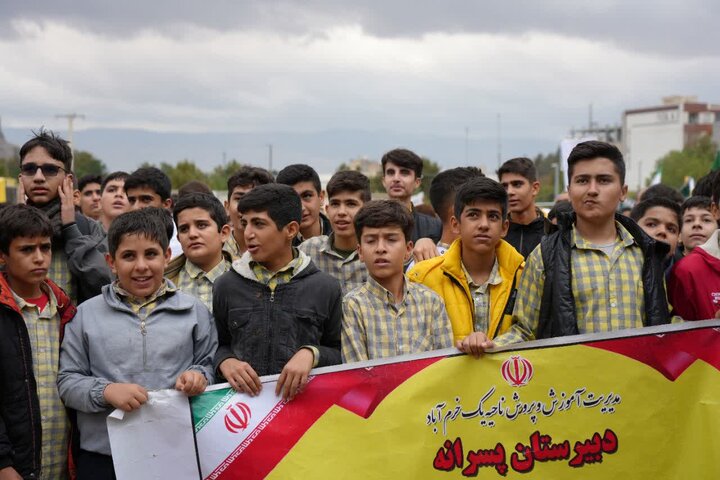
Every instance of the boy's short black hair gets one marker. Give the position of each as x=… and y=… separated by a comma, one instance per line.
x=704, y=185
x=522, y=166
x=696, y=201
x=86, y=180
x=560, y=207
x=193, y=186
x=349, y=181
x=403, y=157
x=482, y=188
x=641, y=208
x=119, y=175
x=151, y=223
x=247, y=175
x=384, y=213
x=22, y=221
x=593, y=149
x=281, y=203
x=152, y=178
x=444, y=186
x=58, y=148
x=297, y=173
x=662, y=190
x=207, y=202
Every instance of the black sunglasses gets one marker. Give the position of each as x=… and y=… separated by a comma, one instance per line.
x=48, y=170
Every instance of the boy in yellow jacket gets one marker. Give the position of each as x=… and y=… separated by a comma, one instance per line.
x=478, y=275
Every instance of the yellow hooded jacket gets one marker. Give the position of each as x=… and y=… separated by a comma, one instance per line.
x=444, y=274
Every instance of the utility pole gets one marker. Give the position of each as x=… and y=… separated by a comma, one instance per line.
x=270, y=147
x=71, y=120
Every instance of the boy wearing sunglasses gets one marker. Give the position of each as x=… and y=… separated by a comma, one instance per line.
x=78, y=258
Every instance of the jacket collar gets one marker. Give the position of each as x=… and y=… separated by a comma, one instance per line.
x=507, y=257
x=242, y=266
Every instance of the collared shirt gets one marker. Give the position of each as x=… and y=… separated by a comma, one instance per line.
x=608, y=289
x=350, y=271
x=481, y=296
x=273, y=279
x=44, y=331
x=143, y=307
x=232, y=247
x=376, y=326
x=194, y=281
x=60, y=274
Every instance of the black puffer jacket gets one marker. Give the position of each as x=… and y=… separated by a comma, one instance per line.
x=20, y=430
x=558, y=317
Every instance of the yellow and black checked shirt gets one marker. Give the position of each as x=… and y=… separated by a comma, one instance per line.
x=44, y=331
x=608, y=289
x=481, y=296
x=350, y=271
x=231, y=246
x=194, y=281
x=143, y=307
x=375, y=326
x=273, y=279
x=59, y=273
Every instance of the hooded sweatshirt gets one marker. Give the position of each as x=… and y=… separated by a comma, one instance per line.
x=694, y=283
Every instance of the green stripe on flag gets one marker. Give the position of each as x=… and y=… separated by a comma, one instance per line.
x=206, y=405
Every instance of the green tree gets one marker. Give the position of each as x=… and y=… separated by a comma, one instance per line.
x=9, y=167
x=694, y=160
x=546, y=175
x=217, y=179
x=85, y=163
x=183, y=172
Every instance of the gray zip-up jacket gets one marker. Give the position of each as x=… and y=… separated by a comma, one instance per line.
x=108, y=343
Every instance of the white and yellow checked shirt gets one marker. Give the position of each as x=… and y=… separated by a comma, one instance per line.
x=143, y=307
x=481, y=296
x=194, y=281
x=375, y=326
x=350, y=271
x=60, y=274
x=608, y=289
x=44, y=330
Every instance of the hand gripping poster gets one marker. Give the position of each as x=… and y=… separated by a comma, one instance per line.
x=631, y=404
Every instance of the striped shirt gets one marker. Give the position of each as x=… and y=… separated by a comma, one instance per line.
x=194, y=281
x=350, y=271
x=608, y=289
x=376, y=326
x=481, y=296
x=44, y=330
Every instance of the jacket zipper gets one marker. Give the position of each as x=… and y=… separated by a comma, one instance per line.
x=143, y=332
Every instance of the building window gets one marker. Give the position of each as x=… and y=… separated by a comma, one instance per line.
x=693, y=119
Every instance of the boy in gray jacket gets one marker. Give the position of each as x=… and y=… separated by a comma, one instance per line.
x=140, y=334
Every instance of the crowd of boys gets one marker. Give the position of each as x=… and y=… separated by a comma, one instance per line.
x=110, y=288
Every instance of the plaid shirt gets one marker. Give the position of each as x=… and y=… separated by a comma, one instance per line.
x=60, y=273
x=194, y=281
x=143, y=307
x=44, y=331
x=375, y=326
x=232, y=247
x=273, y=279
x=350, y=271
x=481, y=296
x=608, y=290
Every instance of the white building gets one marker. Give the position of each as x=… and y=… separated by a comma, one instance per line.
x=651, y=133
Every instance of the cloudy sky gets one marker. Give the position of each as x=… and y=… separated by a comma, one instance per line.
x=403, y=69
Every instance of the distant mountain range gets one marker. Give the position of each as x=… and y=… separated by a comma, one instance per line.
x=126, y=148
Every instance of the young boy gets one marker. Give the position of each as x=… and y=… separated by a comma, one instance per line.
x=402, y=175
x=33, y=313
x=599, y=272
x=527, y=222
x=698, y=222
x=78, y=260
x=238, y=185
x=478, y=275
x=113, y=201
x=336, y=254
x=88, y=195
x=389, y=315
x=141, y=334
x=150, y=187
x=275, y=311
x=203, y=228
x=660, y=218
x=306, y=182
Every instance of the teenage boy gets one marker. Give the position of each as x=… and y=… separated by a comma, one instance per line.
x=478, y=275
x=402, y=174
x=306, y=182
x=238, y=185
x=150, y=187
x=33, y=313
x=203, y=228
x=600, y=271
x=78, y=260
x=698, y=222
x=275, y=311
x=113, y=201
x=336, y=254
x=87, y=195
x=660, y=218
x=141, y=334
x=527, y=222
x=389, y=315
